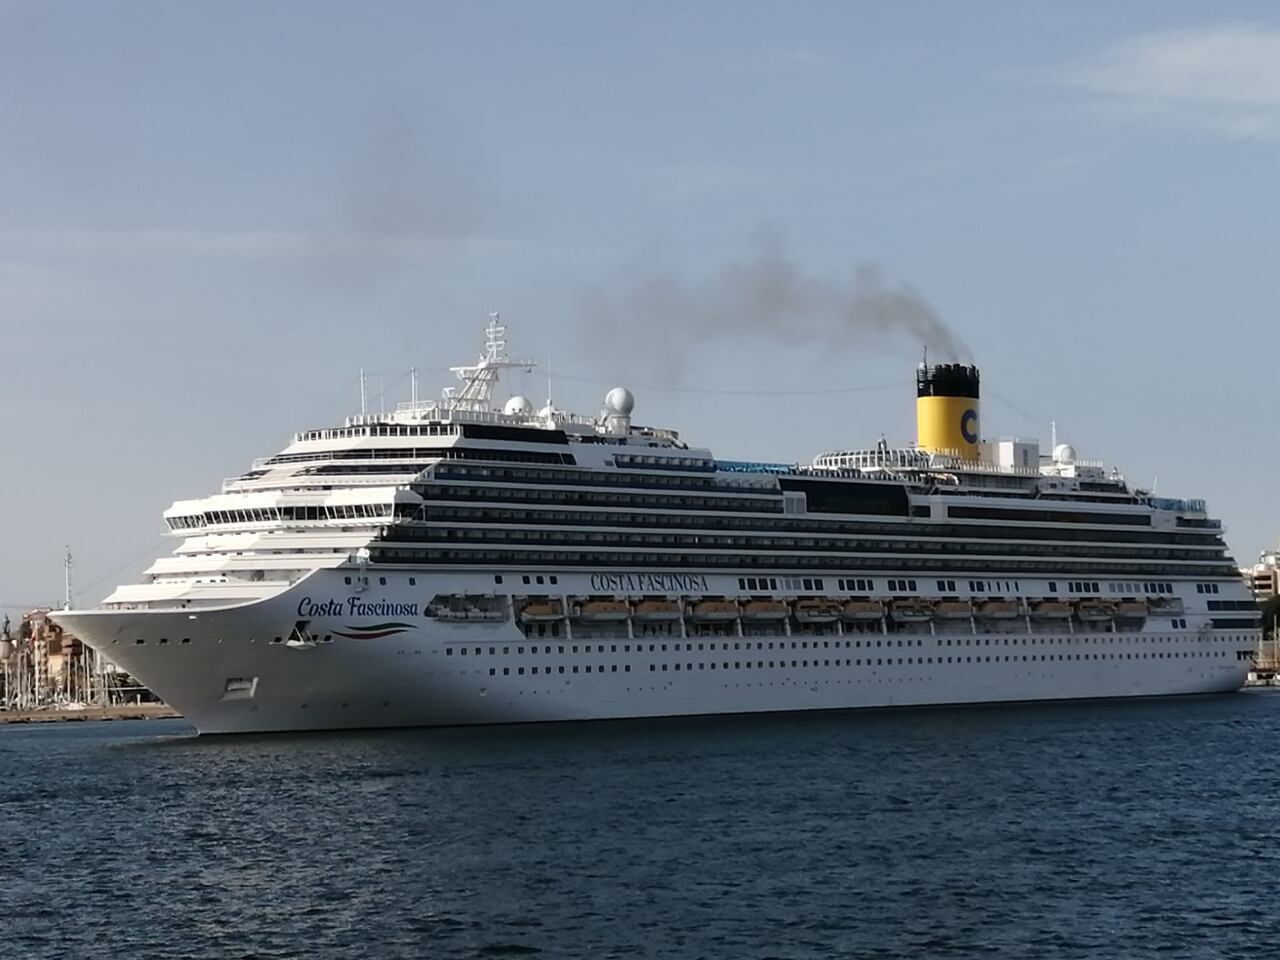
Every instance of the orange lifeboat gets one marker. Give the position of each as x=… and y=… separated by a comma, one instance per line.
x=998, y=610
x=764, y=610
x=602, y=611
x=548, y=609
x=1132, y=609
x=653, y=610
x=1051, y=610
x=953, y=610
x=714, y=610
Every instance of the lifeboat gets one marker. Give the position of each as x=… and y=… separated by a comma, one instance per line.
x=1051, y=610
x=1165, y=606
x=1132, y=609
x=911, y=611
x=714, y=610
x=466, y=613
x=1094, y=610
x=462, y=608
x=764, y=610
x=817, y=610
x=953, y=610
x=651, y=610
x=862, y=610
x=536, y=610
x=602, y=611
x=998, y=610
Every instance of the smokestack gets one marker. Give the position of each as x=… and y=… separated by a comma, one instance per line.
x=947, y=409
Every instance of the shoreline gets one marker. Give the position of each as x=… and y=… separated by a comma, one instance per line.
x=131, y=711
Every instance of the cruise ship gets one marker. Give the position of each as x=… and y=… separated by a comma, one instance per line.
x=471, y=560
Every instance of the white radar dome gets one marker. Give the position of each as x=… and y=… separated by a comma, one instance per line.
x=1064, y=453
x=518, y=407
x=620, y=401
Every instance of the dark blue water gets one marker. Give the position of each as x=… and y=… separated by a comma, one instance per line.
x=1128, y=830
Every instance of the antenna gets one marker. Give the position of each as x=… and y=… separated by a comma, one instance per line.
x=67, y=564
x=382, y=396
x=1053, y=435
x=413, y=386
x=481, y=378
x=549, y=404
x=363, y=398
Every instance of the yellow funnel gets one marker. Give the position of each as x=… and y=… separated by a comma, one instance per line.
x=947, y=410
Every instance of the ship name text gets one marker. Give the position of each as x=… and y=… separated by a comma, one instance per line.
x=649, y=582
x=355, y=607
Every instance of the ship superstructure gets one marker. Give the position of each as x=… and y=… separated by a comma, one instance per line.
x=454, y=562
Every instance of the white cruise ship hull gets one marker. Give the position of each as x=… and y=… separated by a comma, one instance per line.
x=236, y=670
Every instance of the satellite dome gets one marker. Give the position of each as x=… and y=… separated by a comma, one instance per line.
x=619, y=402
x=547, y=412
x=518, y=407
x=1064, y=453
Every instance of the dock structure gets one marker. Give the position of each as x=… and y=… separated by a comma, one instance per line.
x=46, y=672
x=117, y=711
x=1266, y=670
x=1263, y=581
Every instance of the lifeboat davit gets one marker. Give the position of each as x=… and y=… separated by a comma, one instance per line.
x=817, y=610
x=862, y=610
x=536, y=610
x=998, y=610
x=953, y=610
x=602, y=611
x=911, y=611
x=1051, y=610
x=651, y=610
x=708, y=611
x=764, y=610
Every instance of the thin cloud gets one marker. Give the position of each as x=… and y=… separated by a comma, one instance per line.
x=247, y=244
x=804, y=57
x=1221, y=80
x=684, y=181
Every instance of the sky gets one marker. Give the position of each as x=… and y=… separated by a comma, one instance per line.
x=213, y=215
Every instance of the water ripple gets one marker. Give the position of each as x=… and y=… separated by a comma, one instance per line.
x=1135, y=830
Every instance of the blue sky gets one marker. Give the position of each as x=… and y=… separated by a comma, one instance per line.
x=211, y=215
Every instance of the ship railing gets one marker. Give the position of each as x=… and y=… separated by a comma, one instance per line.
x=463, y=415
x=1177, y=505
x=257, y=484
x=747, y=466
